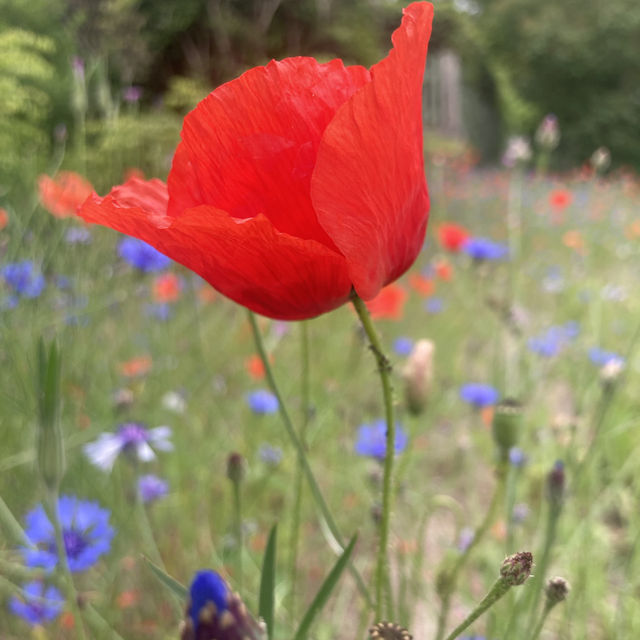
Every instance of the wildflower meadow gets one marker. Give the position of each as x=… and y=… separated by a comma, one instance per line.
x=285, y=359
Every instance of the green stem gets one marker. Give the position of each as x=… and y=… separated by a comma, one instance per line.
x=69, y=587
x=297, y=444
x=297, y=499
x=499, y=588
x=538, y=628
x=478, y=535
x=11, y=525
x=384, y=369
x=237, y=523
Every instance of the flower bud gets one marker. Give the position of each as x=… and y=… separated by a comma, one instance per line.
x=50, y=453
x=548, y=133
x=556, y=484
x=236, y=468
x=418, y=375
x=600, y=160
x=507, y=425
x=516, y=569
x=389, y=631
x=557, y=590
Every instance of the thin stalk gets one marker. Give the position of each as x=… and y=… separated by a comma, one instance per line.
x=237, y=524
x=11, y=525
x=478, y=535
x=69, y=587
x=297, y=444
x=499, y=588
x=384, y=369
x=538, y=628
x=297, y=498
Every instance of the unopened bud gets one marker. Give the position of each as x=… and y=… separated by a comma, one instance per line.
x=516, y=569
x=611, y=371
x=49, y=442
x=556, y=482
x=418, y=375
x=389, y=631
x=236, y=468
x=600, y=160
x=557, y=590
x=507, y=426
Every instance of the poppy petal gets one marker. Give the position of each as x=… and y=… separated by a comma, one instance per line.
x=250, y=146
x=249, y=261
x=368, y=187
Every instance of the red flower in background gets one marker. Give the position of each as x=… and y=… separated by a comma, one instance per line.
x=452, y=236
x=560, y=199
x=62, y=196
x=296, y=182
x=389, y=303
x=166, y=287
x=422, y=285
x=4, y=218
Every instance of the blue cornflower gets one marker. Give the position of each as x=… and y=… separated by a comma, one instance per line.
x=132, y=438
x=479, y=395
x=517, y=457
x=552, y=341
x=271, y=456
x=262, y=401
x=152, y=488
x=24, y=279
x=403, y=345
x=601, y=357
x=77, y=235
x=434, y=305
x=372, y=440
x=158, y=310
x=38, y=604
x=484, y=249
x=141, y=255
x=85, y=530
x=215, y=612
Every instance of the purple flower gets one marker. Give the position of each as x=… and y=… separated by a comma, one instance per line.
x=271, y=456
x=132, y=94
x=85, y=530
x=159, y=310
x=152, y=488
x=372, y=440
x=262, y=402
x=434, y=305
x=403, y=345
x=24, y=279
x=77, y=235
x=132, y=438
x=38, y=604
x=483, y=249
x=520, y=513
x=465, y=538
x=479, y=395
x=552, y=341
x=602, y=358
x=141, y=255
x=517, y=457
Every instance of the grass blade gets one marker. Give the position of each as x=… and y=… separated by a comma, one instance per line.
x=171, y=583
x=266, y=605
x=325, y=591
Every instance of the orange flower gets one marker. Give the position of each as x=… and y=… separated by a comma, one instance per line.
x=166, y=288
x=254, y=367
x=423, y=285
x=136, y=367
x=444, y=270
x=62, y=195
x=4, y=218
x=560, y=199
x=389, y=303
x=574, y=240
x=633, y=230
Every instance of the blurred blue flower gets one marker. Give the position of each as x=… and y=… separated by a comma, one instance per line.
x=24, y=279
x=520, y=513
x=403, y=345
x=554, y=281
x=465, y=538
x=158, y=310
x=484, y=249
x=85, y=530
x=152, y=488
x=132, y=438
x=262, y=401
x=434, y=305
x=141, y=255
x=372, y=440
x=552, y=341
x=77, y=235
x=9, y=302
x=38, y=604
x=601, y=357
x=479, y=395
x=271, y=456
x=517, y=457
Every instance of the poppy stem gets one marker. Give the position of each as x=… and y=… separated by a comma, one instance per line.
x=299, y=447
x=384, y=369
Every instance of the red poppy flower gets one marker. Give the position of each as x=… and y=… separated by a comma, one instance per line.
x=4, y=218
x=444, y=270
x=166, y=288
x=422, y=285
x=61, y=196
x=297, y=181
x=389, y=303
x=560, y=199
x=452, y=236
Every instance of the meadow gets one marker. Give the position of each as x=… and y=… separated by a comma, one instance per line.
x=547, y=316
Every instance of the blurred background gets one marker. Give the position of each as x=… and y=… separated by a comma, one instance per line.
x=106, y=82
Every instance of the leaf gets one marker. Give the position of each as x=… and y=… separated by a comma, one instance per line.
x=171, y=583
x=325, y=590
x=268, y=583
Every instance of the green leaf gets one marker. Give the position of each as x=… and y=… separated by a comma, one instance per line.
x=268, y=583
x=325, y=591
x=171, y=583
